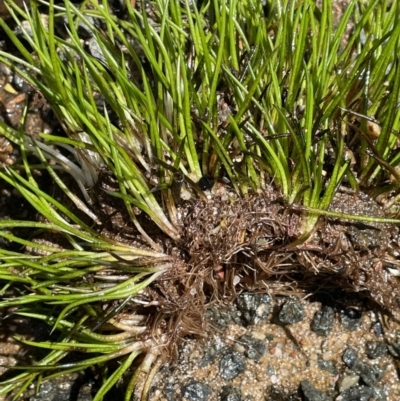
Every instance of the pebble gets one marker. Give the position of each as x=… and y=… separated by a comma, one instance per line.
x=254, y=308
x=254, y=347
x=347, y=382
x=376, y=349
x=230, y=393
x=377, y=329
x=350, y=358
x=292, y=311
x=169, y=392
x=322, y=323
x=329, y=366
x=369, y=374
x=218, y=317
x=361, y=393
x=196, y=391
x=310, y=393
x=350, y=318
x=231, y=364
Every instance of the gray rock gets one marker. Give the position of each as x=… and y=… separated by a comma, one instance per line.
x=323, y=320
x=350, y=318
x=291, y=312
x=196, y=391
x=209, y=357
x=230, y=393
x=255, y=308
x=169, y=392
x=255, y=348
x=310, y=393
x=61, y=391
x=231, y=364
x=350, y=358
x=95, y=50
x=370, y=375
x=359, y=393
x=329, y=366
x=218, y=317
x=376, y=349
x=377, y=329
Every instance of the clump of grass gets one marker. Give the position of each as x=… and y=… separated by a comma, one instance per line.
x=247, y=95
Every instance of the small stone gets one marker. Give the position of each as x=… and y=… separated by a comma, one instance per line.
x=95, y=50
x=359, y=393
x=377, y=329
x=323, y=320
x=369, y=374
x=231, y=365
x=310, y=393
x=169, y=392
x=208, y=358
x=196, y=391
x=329, y=366
x=255, y=348
x=350, y=318
x=291, y=312
x=350, y=358
x=219, y=317
x=255, y=308
x=347, y=382
x=230, y=393
x=376, y=349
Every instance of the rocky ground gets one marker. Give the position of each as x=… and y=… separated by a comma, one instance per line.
x=287, y=349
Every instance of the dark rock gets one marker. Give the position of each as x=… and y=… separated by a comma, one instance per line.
x=206, y=182
x=350, y=358
x=310, y=393
x=218, y=317
x=95, y=50
x=230, y=393
x=291, y=312
x=362, y=393
x=329, y=366
x=196, y=391
x=377, y=329
x=255, y=348
x=61, y=391
x=169, y=392
x=254, y=307
x=350, y=318
x=84, y=30
x=209, y=357
x=376, y=349
x=323, y=320
x=231, y=364
x=369, y=374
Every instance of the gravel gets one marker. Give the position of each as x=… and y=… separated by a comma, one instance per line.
x=310, y=393
x=232, y=363
x=350, y=318
x=196, y=391
x=272, y=361
x=322, y=323
x=291, y=312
